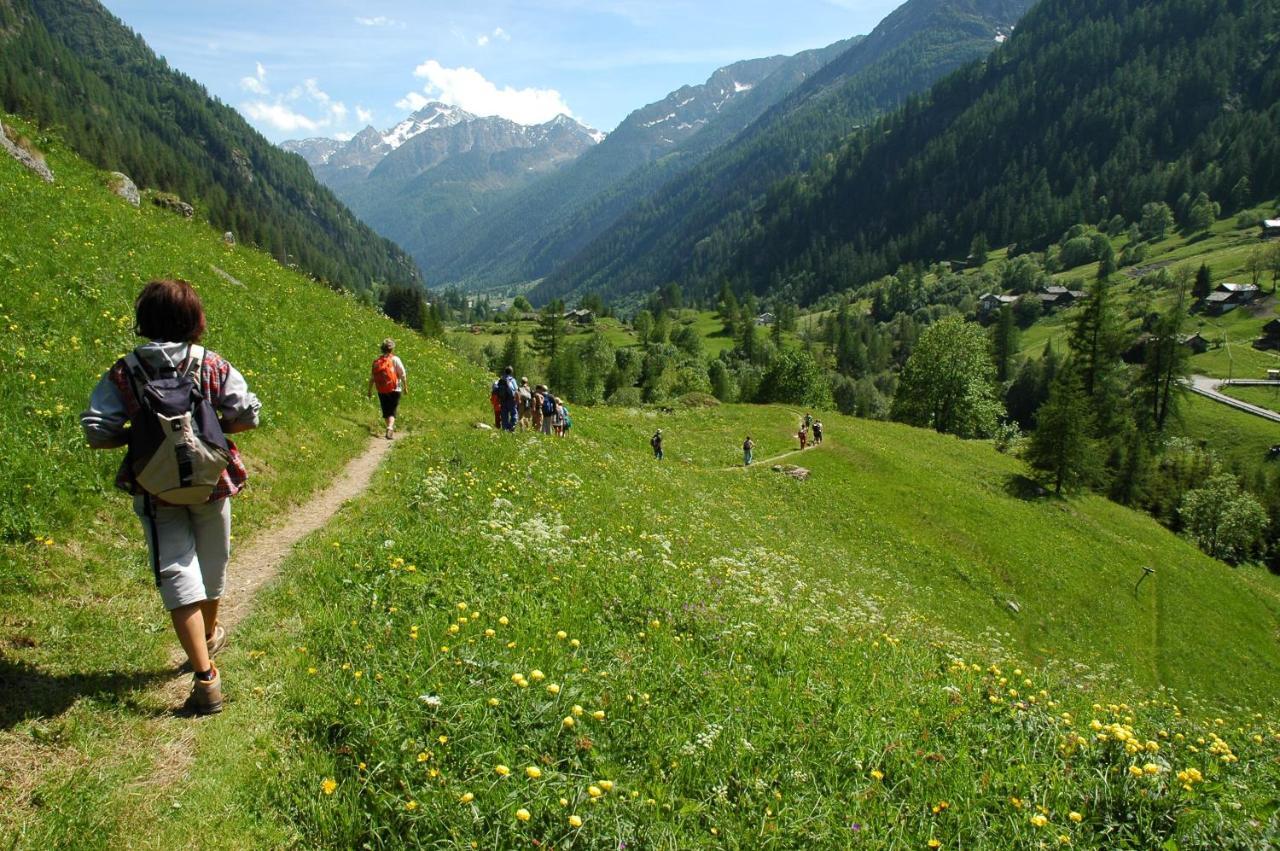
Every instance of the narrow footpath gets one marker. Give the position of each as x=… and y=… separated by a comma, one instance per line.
x=168, y=736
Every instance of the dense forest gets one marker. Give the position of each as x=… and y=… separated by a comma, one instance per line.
x=1091, y=110
x=72, y=66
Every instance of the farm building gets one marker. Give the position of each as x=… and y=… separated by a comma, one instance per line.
x=1270, y=338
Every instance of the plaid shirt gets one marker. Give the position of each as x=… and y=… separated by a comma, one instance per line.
x=212, y=376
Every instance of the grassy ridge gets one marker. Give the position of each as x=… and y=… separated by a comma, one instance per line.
x=774, y=662
x=81, y=631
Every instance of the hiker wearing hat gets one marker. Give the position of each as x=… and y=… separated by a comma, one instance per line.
x=656, y=443
x=526, y=404
x=387, y=376
x=172, y=403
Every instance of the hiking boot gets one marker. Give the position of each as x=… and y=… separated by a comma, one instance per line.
x=206, y=696
x=217, y=641
x=389, y=434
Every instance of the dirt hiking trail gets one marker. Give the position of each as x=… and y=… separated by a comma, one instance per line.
x=168, y=736
x=258, y=562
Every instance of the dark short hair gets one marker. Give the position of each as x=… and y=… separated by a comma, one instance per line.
x=169, y=310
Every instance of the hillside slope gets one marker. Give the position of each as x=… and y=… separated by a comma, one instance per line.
x=70, y=64
x=1092, y=108
x=654, y=242
x=744, y=659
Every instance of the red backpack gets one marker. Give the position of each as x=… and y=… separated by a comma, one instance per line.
x=384, y=374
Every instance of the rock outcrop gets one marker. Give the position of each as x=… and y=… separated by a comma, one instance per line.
x=17, y=148
x=174, y=204
x=123, y=186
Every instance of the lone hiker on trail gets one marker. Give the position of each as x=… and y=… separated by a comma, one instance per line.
x=803, y=434
x=747, y=446
x=656, y=443
x=508, y=399
x=171, y=402
x=387, y=376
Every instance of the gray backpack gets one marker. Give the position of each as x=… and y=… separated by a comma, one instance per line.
x=177, y=450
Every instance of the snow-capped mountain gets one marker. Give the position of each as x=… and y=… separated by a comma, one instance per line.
x=439, y=168
x=448, y=130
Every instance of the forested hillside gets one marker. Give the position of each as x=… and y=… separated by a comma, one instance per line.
x=70, y=64
x=655, y=242
x=1093, y=109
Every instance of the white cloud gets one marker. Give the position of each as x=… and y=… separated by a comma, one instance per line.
x=498, y=33
x=257, y=84
x=363, y=115
x=279, y=116
x=379, y=21
x=467, y=88
x=282, y=113
x=413, y=101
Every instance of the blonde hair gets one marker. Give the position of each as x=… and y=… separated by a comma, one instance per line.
x=388, y=346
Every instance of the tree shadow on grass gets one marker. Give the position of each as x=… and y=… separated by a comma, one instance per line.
x=27, y=693
x=1025, y=488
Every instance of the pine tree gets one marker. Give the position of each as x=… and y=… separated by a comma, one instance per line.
x=1204, y=282
x=1060, y=445
x=548, y=336
x=1004, y=342
x=1161, y=379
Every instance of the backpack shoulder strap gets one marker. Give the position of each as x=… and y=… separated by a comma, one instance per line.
x=195, y=358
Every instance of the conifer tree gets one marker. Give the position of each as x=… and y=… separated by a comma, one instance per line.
x=1060, y=445
x=548, y=336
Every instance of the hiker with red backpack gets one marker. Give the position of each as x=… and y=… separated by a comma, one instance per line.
x=387, y=376
x=172, y=403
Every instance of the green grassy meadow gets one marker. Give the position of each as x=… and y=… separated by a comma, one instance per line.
x=517, y=640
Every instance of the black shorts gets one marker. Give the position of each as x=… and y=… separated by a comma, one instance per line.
x=390, y=402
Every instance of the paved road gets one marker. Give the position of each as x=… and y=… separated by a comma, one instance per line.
x=1206, y=386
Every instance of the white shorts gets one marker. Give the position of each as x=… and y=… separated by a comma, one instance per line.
x=195, y=545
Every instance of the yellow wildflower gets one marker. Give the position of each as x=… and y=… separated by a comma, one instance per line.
x=466, y=798
x=523, y=814
x=575, y=821
x=327, y=785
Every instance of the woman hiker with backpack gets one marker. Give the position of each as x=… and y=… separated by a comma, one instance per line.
x=171, y=402
x=388, y=377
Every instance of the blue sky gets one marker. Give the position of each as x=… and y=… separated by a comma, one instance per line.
x=329, y=67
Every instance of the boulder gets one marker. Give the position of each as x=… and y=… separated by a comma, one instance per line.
x=798, y=473
x=22, y=151
x=229, y=239
x=172, y=203
x=125, y=188
x=483, y=426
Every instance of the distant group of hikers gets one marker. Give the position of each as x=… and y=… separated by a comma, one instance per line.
x=519, y=406
x=807, y=424
x=748, y=445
